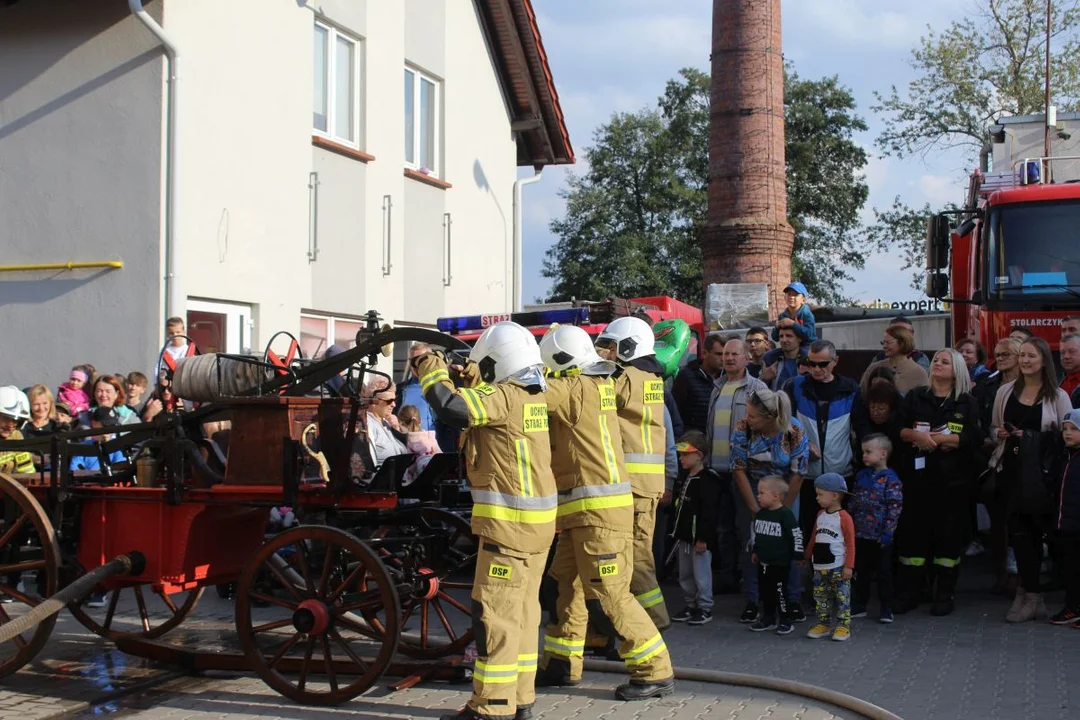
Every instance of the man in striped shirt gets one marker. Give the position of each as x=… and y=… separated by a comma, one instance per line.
x=726, y=408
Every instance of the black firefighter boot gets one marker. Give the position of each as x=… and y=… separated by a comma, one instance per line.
x=555, y=674
x=944, y=591
x=640, y=690
x=910, y=581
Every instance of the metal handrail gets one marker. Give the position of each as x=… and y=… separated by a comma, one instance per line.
x=112, y=264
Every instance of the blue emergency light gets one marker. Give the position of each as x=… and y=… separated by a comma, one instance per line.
x=477, y=323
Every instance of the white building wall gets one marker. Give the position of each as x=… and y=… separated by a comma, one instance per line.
x=481, y=161
x=245, y=150
x=80, y=167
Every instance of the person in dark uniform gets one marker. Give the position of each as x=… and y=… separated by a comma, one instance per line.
x=941, y=429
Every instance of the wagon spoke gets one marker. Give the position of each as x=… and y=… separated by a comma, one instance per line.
x=274, y=625
x=142, y=607
x=15, y=527
x=307, y=661
x=373, y=630
x=4, y=619
x=21, y=597
x=423, y=623
x=348, y=650
x=286, y=647
x=351, y=579
x=407, y=613
x=370, y=600
x=26, y=566
x=284, y=581
x=455, y=603
x=328, y=658
x=328, y=567
x=442, y=616
x=160, y=592
x=111, y=611
x=456, y=585
x=271, y=600
x=301, y=559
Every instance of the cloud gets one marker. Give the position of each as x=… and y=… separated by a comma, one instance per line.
x=940, y=189
x=866, y=24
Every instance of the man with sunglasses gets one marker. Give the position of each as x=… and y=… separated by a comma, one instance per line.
x=830, y=409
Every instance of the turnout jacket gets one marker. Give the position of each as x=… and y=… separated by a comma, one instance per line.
x=16, y=461
x=639, y=396
x=587, y=455
x=507, y=451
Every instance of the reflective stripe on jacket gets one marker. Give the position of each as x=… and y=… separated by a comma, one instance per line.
x=640, y=398
x=587, y=459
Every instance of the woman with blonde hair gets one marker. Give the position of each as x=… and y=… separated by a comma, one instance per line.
x=768, y=441
x=42, y=412
x=385, y=438
x=897, y=344
x=941, y=429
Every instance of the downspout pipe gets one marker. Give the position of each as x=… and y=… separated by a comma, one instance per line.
x=518, y=184
x=174, y=299
x=984, y=156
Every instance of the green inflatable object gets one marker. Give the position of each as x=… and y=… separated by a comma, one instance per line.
x=672, y=342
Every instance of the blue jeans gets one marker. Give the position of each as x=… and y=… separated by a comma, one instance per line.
x=743, y=522
x=695, y=577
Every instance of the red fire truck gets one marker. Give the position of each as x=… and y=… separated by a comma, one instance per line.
x=1011, y=257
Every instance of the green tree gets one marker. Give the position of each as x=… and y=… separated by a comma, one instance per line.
x=633, y=221
x=979, y=69
x=901, y=230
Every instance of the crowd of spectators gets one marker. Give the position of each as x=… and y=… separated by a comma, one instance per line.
x=943, y=456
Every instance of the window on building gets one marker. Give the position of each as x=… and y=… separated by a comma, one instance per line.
x=421, y=121
x=318, y=332
x=336, y=100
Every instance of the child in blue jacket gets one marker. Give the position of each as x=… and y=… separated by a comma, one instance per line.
x=875, y=508
x=797, y=316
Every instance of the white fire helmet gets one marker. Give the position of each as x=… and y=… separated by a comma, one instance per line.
x=632, y=337
x=505, y=349
x=13, y=403
x=568, y=347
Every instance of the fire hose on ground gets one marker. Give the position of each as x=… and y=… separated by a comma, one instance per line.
x=762, y=682
x=131, y=564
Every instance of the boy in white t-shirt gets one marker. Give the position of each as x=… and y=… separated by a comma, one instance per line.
x=832, y=551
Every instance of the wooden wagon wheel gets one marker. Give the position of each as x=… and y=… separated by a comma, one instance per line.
x=435, y=591
x=136, y=612
x=28, y=546
x=312, y=641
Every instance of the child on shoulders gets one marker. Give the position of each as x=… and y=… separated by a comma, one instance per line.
x=797, y=316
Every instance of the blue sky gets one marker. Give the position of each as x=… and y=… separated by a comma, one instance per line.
x=616, y=55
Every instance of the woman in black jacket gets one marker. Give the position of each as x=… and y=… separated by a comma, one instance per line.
x=941, y=428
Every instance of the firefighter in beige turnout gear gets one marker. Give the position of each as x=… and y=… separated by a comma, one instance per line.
x=640, y=399
x=592, y=562
x=507, y=452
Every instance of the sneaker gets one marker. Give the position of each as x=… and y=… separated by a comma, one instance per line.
x=96, y=601
x=1065, y=616
x=700, y=617
x=6, y=600
x=858, y=612
x=683, y=615
x=841, y=634
x=784, y=628
x=886, y=616
x=749, y=613
x=974, y=548
x=795, y=612
x=763, y=625
x=819, y=631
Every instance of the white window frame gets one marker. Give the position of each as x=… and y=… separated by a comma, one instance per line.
x=332, y=35
x=331, y=326
x=418, y=77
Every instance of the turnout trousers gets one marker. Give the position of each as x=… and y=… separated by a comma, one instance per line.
x=643, y=583
x=592, y=569
x=506, y=617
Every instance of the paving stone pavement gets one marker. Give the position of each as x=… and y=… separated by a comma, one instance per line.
x=969, y=665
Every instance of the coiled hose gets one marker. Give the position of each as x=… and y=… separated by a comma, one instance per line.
x=792, y=687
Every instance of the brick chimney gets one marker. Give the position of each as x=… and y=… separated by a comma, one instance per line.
x=747, y=237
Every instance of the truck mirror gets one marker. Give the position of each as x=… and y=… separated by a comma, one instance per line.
x=937, y=284
x=938, y=232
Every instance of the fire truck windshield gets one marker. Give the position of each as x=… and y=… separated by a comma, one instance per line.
x=1033, y=253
